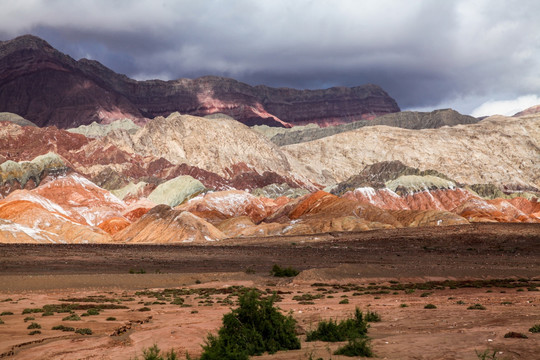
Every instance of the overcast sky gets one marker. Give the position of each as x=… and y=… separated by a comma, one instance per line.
x=476, y=56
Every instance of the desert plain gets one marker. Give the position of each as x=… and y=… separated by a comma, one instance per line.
x=173, y=296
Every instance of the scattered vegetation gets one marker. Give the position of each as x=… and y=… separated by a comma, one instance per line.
x=278, y=271
x=6, y=313
x=29, y=318
x=476, y=307
x=111, y=318
x=144, y=309
x=535, y=329
x=344, y=301
x=253, y=328
x=403, y=305
x=2, y=322
x=430, y=306
x=35, y=332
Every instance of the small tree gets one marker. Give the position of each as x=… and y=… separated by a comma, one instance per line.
x=255, y=327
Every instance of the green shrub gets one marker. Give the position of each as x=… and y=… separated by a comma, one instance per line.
x=2, y=322
x=535, y=329
x=253, y=328
x=72, y=317
x=34, y=325
x=29, y=318
x=332, y=331
x=144, y=309
x=476, y=307
x=356, y=347
x=111, y=318
x=403, y=305
x=6, y=313
x=487, y=354
x=92, y=311
x=372, y=316
x=35, y=332
x=32, y=311
x=84, y=331
x=63, y=328
x=430, y=306
x=47, y=313
x=154, y=353
x=344, y=301
x=278, y=271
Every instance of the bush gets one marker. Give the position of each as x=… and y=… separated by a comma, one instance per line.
x=72, y=317
x=1, y=322
x=111, y=318
x=35, y=332
x=476, y=307
x=430, y=306
x=29, y=318
x=34, y=325
x=356, y=347
x=333, y=331
x=372, y=316
x=92, y=311
x=253, y=328
x=63, y=328
x=6, y=313
x=515, y=335
x=84, y=331
x=344, y=301
x=144, y=309
x=278, y=271
x=154, y=353
x=535, y=329
x=32, y=311
x=487, y=354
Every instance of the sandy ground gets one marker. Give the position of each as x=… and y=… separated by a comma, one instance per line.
x=378, y=266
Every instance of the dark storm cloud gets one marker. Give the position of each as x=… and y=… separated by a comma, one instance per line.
x=425, y=53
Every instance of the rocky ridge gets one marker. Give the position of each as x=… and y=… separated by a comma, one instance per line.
x=412, y=120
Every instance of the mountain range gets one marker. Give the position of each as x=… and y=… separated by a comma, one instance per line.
x=50, y=88
x=87, y=155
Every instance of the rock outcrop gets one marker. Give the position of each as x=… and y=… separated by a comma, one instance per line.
x=176, y=191
x=50, y=88
x=30, y=174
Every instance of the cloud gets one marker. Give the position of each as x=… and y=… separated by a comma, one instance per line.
x=506, y=107
x=422, y=52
